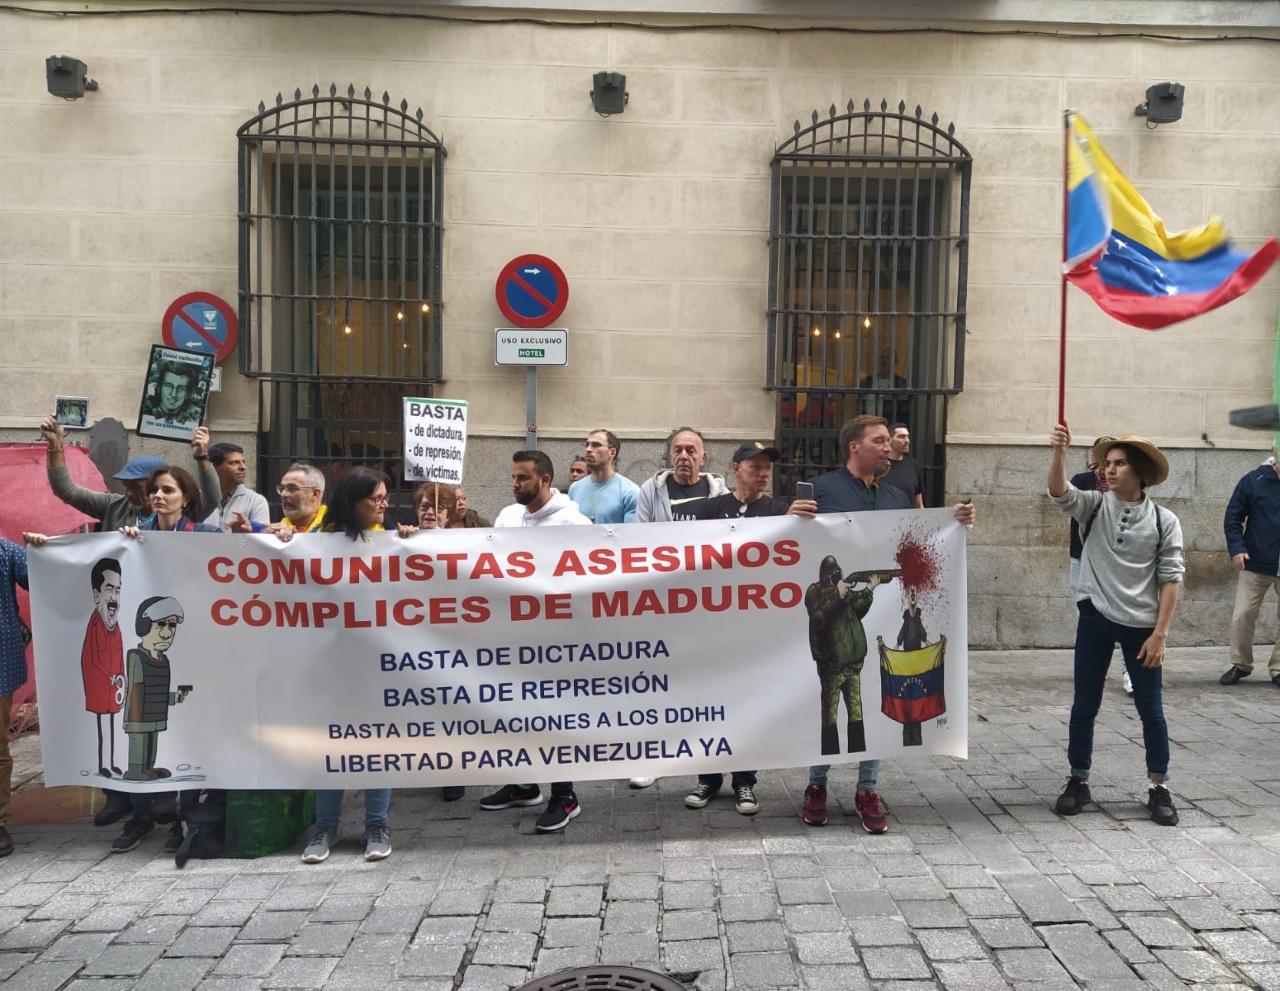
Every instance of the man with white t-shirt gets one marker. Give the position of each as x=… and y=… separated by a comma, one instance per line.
x=537, y=504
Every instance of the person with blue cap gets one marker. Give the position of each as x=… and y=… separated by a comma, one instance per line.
x=113, y=510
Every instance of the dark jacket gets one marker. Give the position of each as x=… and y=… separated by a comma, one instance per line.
x=1252, y=520
x=840, y=492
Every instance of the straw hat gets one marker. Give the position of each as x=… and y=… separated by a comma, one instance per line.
x=1158, y=460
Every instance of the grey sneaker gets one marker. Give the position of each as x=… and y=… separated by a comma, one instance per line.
x=317, y=851
x=377, y=843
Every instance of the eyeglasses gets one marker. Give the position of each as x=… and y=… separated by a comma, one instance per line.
x=292, y=489
x=167, y=624
x=381, y=500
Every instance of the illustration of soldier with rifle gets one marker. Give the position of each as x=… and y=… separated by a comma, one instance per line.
x=836, y=603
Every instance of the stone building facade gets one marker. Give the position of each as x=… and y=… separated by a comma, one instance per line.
x=113, y=205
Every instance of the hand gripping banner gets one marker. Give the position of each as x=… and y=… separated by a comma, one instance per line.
x=491, y=656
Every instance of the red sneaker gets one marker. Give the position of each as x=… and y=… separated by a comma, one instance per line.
x=868, y=805
x=815, y=805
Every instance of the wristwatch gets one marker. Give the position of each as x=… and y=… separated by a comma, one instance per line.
x=201, y=457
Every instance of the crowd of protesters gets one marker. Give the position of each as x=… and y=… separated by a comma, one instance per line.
x=1125, y=582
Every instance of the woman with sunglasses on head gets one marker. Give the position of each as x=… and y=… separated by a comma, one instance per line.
x=357, y=507
x=173, y=496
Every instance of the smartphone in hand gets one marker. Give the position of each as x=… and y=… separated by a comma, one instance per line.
x=804, y=490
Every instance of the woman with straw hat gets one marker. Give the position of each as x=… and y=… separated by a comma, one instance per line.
x=1131, y=570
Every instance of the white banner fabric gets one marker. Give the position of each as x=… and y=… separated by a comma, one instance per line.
x=482, y=657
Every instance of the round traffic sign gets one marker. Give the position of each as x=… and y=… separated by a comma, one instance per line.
x=532, y=291
x=201, y=322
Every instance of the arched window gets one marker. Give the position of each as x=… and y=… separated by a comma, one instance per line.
x=868, y=257
x=340, y=200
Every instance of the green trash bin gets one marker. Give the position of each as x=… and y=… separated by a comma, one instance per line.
x=265, y=822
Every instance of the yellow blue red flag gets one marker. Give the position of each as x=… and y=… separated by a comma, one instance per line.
x=1119, y=252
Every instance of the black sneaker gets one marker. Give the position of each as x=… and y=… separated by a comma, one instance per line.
x=700, y=796
x=452, y=793
x=6, y=842
x=1233, y=675
x=113, y=811
x=744, y=798
x=511, y=795
x=132, y=834
x=1160, y=805
x=173, y=839
x=559, y=811
x=1074, y=797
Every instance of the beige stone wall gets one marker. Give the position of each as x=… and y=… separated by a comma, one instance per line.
x=113, y=205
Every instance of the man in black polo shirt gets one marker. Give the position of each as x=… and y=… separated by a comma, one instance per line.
x=752, y=474
x=858, y=487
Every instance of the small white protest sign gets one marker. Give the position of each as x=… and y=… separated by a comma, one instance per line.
x=435, y=439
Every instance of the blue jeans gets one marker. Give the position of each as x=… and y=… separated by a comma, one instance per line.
x=740, y=779
x=377, y=803
x=868, y=775
x=1096, y=637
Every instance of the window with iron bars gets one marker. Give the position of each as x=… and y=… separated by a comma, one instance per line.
x=868, y=260
x=340, y=302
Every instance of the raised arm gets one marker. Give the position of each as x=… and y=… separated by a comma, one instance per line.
x=1060, y=441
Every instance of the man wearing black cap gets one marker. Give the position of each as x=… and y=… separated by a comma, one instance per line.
x=752, y=473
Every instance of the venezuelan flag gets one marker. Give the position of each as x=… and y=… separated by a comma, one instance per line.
x=1119, y=252
x=912, y=682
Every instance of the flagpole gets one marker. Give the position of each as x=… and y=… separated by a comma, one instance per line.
x=1062, y=304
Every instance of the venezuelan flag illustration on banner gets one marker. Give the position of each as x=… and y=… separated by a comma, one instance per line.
x=1119, y=252
x=912, y=682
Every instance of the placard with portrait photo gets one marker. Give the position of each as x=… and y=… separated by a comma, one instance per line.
x=71, y=412
x=175, y=394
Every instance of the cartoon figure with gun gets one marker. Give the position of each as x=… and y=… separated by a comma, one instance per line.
x=147, y=696
x=838, y=644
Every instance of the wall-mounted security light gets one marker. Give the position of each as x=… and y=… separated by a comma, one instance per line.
x=67, y=77
x=609, y=93
x=1163, y=104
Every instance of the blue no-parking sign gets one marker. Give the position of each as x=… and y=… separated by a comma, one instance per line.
x=201, y=322
x=532, y=291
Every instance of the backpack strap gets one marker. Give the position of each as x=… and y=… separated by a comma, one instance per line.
x=1088, y=525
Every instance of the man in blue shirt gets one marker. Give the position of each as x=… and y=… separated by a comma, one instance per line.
x=1252, y=525
x=859, y=487
x=605, y=496
x=13, y=666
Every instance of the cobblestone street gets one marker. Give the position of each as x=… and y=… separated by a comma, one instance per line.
x=978, y=884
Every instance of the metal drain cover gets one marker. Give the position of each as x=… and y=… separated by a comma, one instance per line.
x=603, y=978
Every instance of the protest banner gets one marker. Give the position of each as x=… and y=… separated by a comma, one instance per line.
x=520, y=654
x=174, y=394
x=435, y=440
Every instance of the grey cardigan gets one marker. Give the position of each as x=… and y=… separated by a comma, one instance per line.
x=1119, y=570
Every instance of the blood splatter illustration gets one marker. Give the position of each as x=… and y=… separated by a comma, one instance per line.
x=920, y=567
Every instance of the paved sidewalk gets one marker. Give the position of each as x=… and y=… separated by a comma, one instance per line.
x=977, y=885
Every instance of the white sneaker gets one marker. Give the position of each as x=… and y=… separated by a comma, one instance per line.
x=641, y=782
x=1128, y=683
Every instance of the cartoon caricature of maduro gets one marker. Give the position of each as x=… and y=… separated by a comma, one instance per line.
x=838, y=644
x=102, y=658
x=146, y=710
